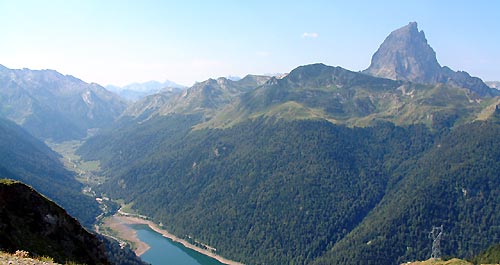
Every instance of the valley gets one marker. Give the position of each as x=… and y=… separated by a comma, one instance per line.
x=87, y=172
x=322, y=165
x=117, y=224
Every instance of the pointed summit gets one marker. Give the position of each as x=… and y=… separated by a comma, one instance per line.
x=406, y=55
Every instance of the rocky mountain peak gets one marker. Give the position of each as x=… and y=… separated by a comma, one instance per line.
x=223, y=80
x=405, y=55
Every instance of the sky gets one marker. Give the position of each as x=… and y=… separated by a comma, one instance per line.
x=123, y=41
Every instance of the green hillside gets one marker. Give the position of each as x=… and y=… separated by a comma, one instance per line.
x=24, y=158
x=344, y=97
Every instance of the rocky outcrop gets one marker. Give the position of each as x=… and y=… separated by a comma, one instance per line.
x=406, y=55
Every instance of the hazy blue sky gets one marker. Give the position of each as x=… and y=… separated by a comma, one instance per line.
x=119, y=42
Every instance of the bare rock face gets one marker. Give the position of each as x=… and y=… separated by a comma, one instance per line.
x=406, y=55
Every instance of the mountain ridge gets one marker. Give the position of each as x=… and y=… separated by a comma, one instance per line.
x=136, y=91
x=205, y=97
x=341, y=96
x=55, y=106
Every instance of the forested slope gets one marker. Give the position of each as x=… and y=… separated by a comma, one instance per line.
x=25, y=158
x=295, y=188
x=455, y=184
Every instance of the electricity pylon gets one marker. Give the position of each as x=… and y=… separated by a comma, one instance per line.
x=436, y=235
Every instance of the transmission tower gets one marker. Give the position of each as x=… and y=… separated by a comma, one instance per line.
x=436, y=235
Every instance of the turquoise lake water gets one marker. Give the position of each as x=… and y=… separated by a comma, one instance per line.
x=164, y=251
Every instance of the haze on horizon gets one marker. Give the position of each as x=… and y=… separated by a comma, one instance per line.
x=121, y=42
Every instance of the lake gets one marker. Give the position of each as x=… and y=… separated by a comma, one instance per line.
x=165, y=251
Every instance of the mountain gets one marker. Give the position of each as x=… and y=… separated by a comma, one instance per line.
x=31, y=222
x=233, y=78
x=211, y=95
x=341, y=96
x=54, y=106
x=312, y=91
x=145, y=86
x=204, y=97
x=493, y=84
x=27, y=159
x=406, y=55
x=137, y=91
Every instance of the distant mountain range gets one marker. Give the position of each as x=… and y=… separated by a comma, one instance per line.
x=204, y=97
x=321, y=166
x=493, y=84
x=137, y=91
x=54, y=106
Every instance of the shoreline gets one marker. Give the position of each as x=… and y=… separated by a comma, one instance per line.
x=135, y=220
x=126, y=233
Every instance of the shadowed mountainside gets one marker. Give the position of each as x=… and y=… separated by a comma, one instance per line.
x=31, y=222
